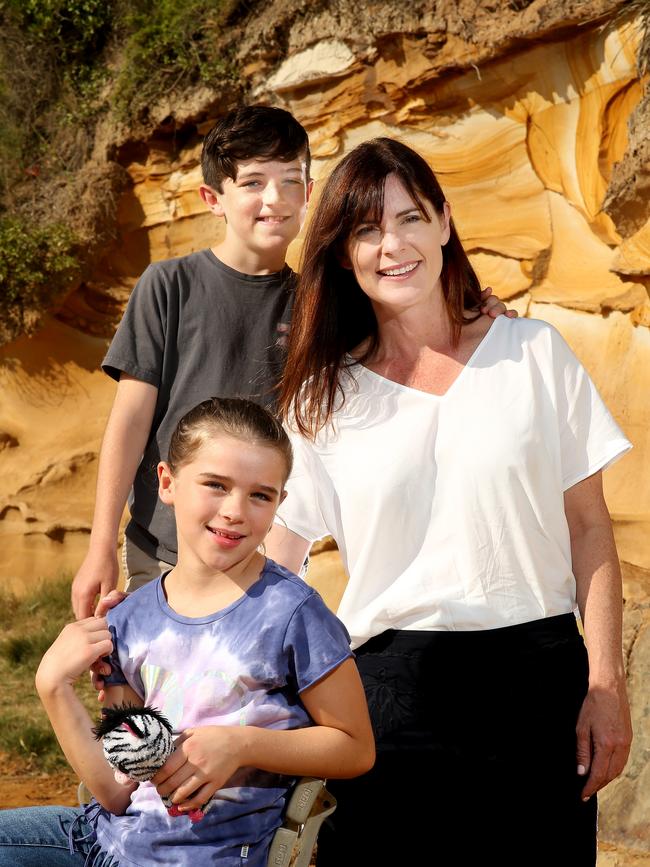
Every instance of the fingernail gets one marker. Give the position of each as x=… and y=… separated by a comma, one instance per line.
x=585, y=800
x=581, y=770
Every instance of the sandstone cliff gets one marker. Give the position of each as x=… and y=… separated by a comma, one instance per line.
x=533, y=115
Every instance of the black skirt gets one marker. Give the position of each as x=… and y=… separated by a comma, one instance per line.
x=476, y=752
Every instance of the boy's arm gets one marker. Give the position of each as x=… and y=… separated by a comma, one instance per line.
x=340, y=744
x=125, y=439
x=604, y=729
x=77, y=647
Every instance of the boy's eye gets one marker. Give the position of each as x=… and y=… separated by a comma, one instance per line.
x=250, y=184
x=216, y=485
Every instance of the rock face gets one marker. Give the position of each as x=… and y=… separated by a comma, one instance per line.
x=534, y=118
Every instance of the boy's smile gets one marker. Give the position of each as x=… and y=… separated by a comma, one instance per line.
x=264, y=208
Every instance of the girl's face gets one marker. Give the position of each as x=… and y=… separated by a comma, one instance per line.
x=398, y=262
x=224, y=500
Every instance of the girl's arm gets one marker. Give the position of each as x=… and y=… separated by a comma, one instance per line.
x=604, y=729
x=341, y=744
x=78, y=646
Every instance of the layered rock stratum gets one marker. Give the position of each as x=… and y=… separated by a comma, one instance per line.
x=533, y=114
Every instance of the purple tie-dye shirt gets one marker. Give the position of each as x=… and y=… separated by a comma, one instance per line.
x=244, y=665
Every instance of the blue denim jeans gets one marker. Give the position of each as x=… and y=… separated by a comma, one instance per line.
x=49, y=837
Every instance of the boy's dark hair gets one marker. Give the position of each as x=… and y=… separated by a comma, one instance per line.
x=233, y=416
x=248, y=133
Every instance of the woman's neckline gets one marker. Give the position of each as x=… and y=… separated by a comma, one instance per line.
x=429, y=394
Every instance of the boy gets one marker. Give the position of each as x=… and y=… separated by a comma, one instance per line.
x=205, y=324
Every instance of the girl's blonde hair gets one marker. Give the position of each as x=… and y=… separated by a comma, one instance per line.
x=235, y=417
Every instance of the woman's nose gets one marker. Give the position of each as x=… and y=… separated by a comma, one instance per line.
x=392, y=242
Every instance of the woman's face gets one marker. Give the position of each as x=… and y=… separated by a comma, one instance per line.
x=398, y=262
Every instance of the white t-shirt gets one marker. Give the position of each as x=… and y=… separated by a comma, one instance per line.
x=448, y=510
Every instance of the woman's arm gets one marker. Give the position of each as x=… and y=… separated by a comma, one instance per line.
x=78, y=646
x=286, y=548
x=604, y=729
x=340, y=744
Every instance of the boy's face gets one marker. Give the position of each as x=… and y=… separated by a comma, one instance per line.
x=264, y=206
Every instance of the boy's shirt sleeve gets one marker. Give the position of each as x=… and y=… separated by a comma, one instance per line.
x=316, y=642
x=139, y=342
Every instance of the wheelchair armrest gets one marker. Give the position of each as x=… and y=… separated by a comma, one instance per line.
x=308, y=807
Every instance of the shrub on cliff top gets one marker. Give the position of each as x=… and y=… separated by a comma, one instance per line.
x=169, y=44
x=37, y=266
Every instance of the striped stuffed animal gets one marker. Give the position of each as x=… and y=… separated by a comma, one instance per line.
x=137, y=742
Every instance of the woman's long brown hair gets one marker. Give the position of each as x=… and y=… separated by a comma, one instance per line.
x=332, y=315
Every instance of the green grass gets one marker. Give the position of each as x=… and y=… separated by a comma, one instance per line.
x=29, y=625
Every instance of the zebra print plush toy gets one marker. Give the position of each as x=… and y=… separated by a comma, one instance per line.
x=137, y=742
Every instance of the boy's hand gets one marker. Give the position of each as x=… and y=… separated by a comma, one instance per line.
x=203, y=761
x=493, y=306
x=78, y=646
x=97, y=574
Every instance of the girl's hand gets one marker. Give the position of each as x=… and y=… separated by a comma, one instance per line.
x=78, y=646
x=101, y=668
x=204, y=759
x=493, y=306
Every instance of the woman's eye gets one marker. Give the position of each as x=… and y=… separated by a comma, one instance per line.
x=362, y=231
x=413, y=218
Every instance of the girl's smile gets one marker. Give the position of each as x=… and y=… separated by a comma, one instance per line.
x=226, y=539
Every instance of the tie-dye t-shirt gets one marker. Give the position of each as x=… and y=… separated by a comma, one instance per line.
x=244, y=665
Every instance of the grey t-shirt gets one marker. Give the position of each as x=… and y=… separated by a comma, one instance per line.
x=195, y=329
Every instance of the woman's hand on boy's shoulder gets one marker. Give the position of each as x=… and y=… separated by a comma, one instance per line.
x=493, y=306
x=78, y=646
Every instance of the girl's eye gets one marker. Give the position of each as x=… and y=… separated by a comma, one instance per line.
x=218, y=486
x=261, y=496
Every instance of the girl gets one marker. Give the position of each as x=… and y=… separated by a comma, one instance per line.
x=465, y=562
x=241, y=656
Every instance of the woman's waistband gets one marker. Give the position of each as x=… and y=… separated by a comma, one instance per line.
x=535, y=633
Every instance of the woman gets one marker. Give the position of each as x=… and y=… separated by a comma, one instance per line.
x=457, y=462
